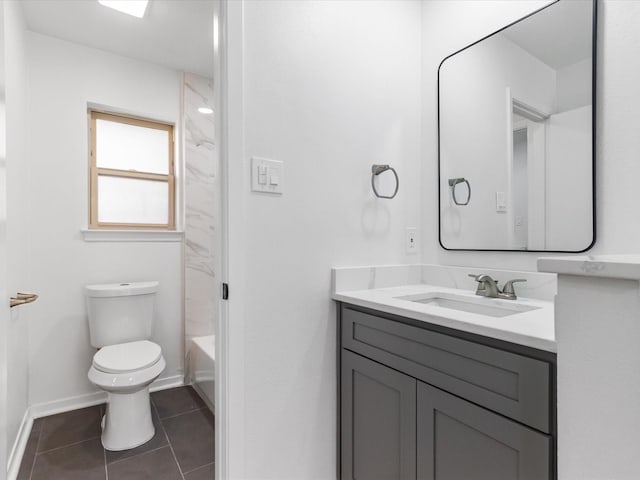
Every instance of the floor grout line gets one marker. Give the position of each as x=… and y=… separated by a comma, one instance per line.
x=175, y=459
x=184, y=413
x=65, y=446
x=138, y=454
x=198, y=468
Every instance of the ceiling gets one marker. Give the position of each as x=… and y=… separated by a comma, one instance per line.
x=174, y=33
x=559, y=35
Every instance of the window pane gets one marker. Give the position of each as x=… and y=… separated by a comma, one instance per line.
x=130, y=200
x=131, y=147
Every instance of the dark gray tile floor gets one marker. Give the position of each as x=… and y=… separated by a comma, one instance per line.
x=67, y=446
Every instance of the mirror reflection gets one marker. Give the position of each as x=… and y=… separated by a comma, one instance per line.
x=515, y=123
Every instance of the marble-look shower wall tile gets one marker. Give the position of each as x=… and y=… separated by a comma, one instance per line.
x=200, y=196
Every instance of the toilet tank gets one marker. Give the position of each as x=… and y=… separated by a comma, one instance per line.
x=120, y=312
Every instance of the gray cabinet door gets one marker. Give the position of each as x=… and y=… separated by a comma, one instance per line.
x=458, y=440
x=378, y=417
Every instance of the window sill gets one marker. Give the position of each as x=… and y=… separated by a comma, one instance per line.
x=131, y=235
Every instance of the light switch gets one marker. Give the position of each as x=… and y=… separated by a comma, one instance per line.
x=501, y=202
x=267, y=175
x=262, y=175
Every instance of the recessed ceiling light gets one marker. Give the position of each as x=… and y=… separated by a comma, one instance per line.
x=205, y=110
x=136, y=8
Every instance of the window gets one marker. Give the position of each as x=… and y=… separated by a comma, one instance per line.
x=132, y=183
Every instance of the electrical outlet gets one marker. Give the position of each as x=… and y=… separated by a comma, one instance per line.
x=412, y=240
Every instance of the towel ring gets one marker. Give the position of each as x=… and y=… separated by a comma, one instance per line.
x=377, y=170
x=455, y=181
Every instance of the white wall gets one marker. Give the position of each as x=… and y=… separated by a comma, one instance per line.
x=568, y=182
x=63, y=78
x=329, y=88
x=574, y=86
x=17, y=212
x=618, y=123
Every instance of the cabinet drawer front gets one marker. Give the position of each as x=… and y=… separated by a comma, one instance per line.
x=513, y=385
x=459, y=440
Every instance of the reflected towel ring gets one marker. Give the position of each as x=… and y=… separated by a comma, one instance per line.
x=377, y=170
x=452, y=184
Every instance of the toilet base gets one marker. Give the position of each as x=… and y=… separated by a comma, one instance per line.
x=127, y=423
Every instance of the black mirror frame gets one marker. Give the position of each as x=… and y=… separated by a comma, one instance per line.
x=594, y=45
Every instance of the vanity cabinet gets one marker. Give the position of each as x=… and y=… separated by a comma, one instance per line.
x=419, y=401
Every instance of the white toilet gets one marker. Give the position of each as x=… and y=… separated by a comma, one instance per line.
x=120, y=320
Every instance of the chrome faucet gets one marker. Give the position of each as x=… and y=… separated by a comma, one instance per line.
x=488, y=287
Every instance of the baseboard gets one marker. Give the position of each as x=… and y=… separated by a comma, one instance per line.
x=166, y=383
x=205, y=398
x=17, y=451
x=96, y=398
x=65, y=405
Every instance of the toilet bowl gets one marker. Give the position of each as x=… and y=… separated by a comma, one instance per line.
x=125, y=371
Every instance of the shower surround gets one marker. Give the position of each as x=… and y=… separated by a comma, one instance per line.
x=201, y=185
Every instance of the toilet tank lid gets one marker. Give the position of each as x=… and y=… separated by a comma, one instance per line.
x=121, y=289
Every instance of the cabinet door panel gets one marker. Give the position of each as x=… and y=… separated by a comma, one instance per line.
x=459, y=440
x=378, y=419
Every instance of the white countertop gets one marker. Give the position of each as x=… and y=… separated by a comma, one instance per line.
x=534, y=328
x=609, y=266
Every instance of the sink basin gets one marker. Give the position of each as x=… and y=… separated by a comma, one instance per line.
x=491, y=307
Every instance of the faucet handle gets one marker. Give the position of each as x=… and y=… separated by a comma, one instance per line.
x=508, y=286
x=483, y=277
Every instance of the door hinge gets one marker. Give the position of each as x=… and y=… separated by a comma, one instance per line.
x=225, y=291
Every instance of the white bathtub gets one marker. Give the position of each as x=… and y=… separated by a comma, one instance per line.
x=202, y=364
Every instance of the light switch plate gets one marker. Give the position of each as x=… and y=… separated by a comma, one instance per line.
x=267, y=176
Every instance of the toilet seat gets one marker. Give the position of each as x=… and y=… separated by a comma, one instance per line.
x=127, y=357
x=127, y=381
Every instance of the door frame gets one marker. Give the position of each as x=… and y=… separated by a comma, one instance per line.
x=229, y=323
